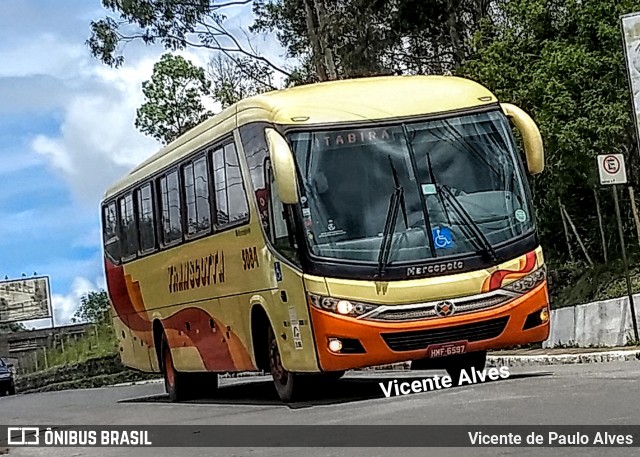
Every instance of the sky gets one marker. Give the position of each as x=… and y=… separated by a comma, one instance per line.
x=66, y=134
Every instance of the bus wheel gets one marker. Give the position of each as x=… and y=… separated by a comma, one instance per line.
x=174, y=381
x=467, y=362
x=288, y=385
x=12, y=389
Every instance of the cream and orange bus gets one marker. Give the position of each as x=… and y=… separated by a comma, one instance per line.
x=327, y=227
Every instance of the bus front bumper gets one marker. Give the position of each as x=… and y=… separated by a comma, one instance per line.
x=368, y=343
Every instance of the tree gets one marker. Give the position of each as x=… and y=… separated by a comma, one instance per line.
x=94, y=307
x=176, y=24
x=349, y=38
x=437, y=35
x=563, y=62
x=353, y=38
x=173, y=99
x=238, y=78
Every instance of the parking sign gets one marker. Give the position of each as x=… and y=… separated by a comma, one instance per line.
x=611, y=169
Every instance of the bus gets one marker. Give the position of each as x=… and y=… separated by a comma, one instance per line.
x=328, y=227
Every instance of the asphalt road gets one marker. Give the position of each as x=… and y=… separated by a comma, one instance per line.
x=602, y=394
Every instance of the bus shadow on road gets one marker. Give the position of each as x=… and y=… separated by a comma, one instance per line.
x=347, y=390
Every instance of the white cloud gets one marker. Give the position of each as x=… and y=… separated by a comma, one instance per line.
x=98, y=142
x=65, y=306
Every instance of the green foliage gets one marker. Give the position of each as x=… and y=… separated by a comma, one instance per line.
x=375, y=37
x=577, y=283
x=617, y=286
x=99, y=341
x=562, y=61
x=94, y=307
x=166, y=21
x=356, y=36
x=173, y=99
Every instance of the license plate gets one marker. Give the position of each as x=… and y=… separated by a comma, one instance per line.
x=447, y=349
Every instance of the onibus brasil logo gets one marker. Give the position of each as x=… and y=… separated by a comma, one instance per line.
x=35, y=436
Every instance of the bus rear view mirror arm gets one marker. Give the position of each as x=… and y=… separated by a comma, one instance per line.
x=533, y=147
x=284, y=169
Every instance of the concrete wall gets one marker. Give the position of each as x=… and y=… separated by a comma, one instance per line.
x=603, y=323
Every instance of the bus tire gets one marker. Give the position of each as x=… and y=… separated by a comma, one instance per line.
x=289, y=386
x=467, y=362
x=12, y=389
x=175, y=382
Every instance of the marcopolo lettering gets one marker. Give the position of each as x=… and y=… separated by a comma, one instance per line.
x=196, y=273
x=435, y=268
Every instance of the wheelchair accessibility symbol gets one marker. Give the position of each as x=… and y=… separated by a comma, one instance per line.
x=442, y=238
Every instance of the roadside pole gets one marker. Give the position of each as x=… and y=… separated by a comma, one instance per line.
x=612, y=172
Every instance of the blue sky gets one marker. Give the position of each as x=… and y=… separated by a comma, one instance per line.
x=66, y=134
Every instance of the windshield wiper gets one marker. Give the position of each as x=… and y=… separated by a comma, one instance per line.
x=396, y=181
x=485, y=245
x=389, y=229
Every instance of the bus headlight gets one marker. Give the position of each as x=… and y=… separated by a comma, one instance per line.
x=341, y=306
x=526, y=283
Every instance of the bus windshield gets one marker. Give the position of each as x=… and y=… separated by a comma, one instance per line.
x=461, y=183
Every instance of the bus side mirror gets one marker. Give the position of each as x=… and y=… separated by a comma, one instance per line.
x=533, y=148
x=284, y=168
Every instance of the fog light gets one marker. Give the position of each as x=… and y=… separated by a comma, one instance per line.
x=544, y=315
x=344, y=307
x=335, y=345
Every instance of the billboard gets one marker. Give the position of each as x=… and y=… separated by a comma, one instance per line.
x=631, y=39
x=25, y=299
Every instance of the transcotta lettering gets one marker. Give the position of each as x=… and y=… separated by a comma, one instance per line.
x=195, y=273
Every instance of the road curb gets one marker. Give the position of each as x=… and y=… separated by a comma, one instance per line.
x=562, y=359
x=539, y=360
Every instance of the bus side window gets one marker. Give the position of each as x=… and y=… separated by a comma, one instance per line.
x=196, y=191
x=146, y=225
x=170, y=207
x=110, y=232
x=128, y=229
x=231, y=198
